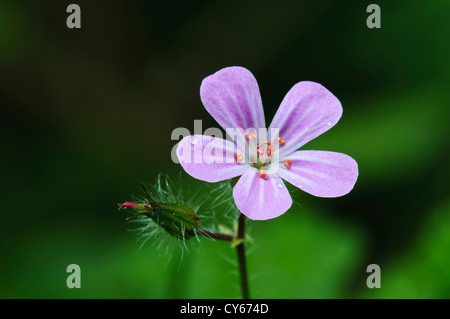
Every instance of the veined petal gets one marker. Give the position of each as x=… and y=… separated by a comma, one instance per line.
x=208, y=158
x=320, y=173
x=259, y=198
x=307, y=111
x=231, y=96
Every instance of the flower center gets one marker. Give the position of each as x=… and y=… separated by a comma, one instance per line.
x=265, y=152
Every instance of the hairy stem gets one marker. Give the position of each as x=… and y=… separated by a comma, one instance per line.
x=240, y=248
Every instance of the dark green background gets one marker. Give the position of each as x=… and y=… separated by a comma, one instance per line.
x=88, y=113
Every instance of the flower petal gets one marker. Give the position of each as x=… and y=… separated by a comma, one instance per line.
x=320, y=173
x=208, y=158
x=259, y=198
x=307, y=111
x=231, y=96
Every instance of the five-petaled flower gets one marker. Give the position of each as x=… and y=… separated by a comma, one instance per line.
x=232, y=97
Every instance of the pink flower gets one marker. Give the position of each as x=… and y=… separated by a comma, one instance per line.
x=232, y=97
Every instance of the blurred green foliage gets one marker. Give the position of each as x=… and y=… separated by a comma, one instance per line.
x=87, y=115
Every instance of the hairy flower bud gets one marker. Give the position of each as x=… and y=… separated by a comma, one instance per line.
x=177, y=219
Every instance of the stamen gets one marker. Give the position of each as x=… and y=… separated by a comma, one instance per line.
x=269, y=149
x=287, y=163
x=281, y=141
x=262, y=173
x=251, y=136
x=238, y=157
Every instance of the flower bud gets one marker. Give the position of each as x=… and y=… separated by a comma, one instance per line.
x=177, y=219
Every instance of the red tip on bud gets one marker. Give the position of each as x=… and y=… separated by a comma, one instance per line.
x=132, y=205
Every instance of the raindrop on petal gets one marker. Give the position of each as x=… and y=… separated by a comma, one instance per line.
x=329, y=123
x=193, y=139
x=279, y=184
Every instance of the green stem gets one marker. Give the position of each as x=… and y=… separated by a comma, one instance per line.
x=240, y=248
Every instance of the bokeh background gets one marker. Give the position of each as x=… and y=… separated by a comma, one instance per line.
x=88, y=113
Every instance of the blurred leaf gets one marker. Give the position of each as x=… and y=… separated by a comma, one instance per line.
x=299, y=255
x=423, y=271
